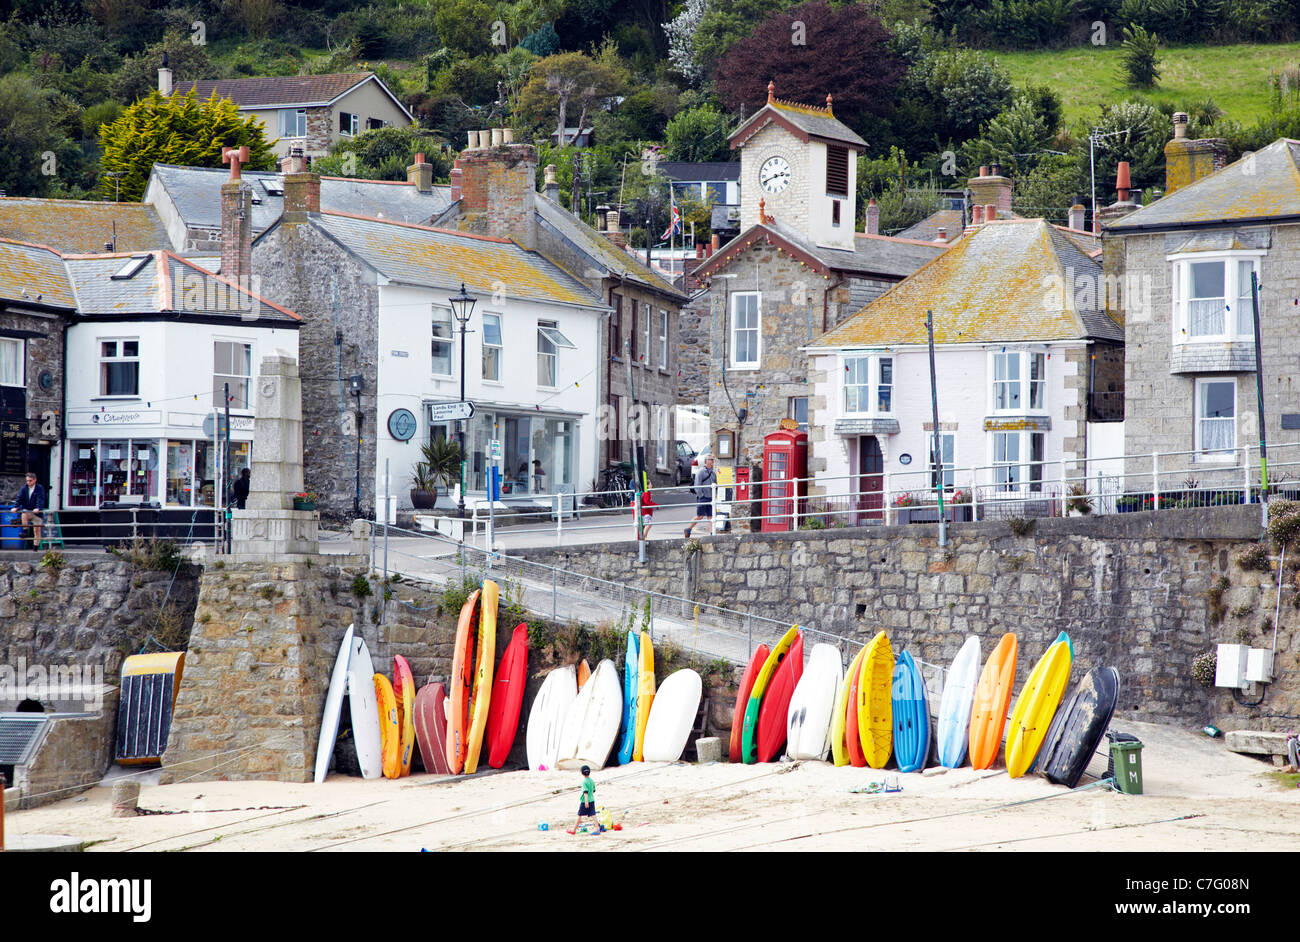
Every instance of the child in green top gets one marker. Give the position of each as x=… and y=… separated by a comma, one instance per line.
x=587, y=804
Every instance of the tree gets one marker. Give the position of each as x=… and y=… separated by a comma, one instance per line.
x=179, y=129
x=723, y=24
x=384, y=154
x=1016, y=138
x=570, y=78
x=1139, y=66
x=139, y=74
x=808, y=52
x=31, y=142
x=681, y=32
x=698, y=134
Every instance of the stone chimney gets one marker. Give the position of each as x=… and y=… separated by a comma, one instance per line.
x=612, y=230
x=1188, y=161
x=421, y=174
x=1077, y=215
x=873, y=217
x=164, y=78
x=551, y=189
x=1124, y=204
x=990, y=187
x=236, y=219
x=456, y=175
x=301, y=189
x=497, y=186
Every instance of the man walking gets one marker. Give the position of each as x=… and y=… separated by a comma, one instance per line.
x=31, y=501
x=705, y=478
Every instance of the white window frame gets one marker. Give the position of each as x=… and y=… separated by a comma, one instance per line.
x=298, y=117
x=441, y=316
x=1238, y=318
x=218, y=378
x=756, y=329
x=647, y=353
x=118, y=357
x=663, y=340
x=354, y=125
x=551, y=355
x=1230, y=453
x=18, y=358
x=496, y=350
x=1028, y=475
x=661, y=437
x=872, y=385
x=792, y=411
x=1024, y=385
x=948, y=465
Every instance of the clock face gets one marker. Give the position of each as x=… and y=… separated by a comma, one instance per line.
x=774, y=175
x=401, y=424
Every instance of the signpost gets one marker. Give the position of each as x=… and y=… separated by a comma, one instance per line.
x=494, y=485
x=449, y=411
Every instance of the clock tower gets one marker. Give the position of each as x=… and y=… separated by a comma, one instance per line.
x=801, y=162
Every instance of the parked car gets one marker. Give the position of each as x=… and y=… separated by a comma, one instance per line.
x=685, y=458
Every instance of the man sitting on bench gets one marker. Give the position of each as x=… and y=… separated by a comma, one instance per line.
x=31, y=501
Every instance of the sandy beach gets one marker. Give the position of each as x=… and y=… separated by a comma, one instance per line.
x=1198, y=797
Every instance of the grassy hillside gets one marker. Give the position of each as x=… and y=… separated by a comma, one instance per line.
x=1236, y=77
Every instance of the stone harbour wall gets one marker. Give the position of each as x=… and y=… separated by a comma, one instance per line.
x=76, y=753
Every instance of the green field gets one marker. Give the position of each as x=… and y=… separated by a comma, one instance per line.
x=1087, y=77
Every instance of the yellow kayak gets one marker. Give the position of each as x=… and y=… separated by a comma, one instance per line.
x=1038, y=701
x=875, y=707
x=390, y=734
x=645, y=693
x=839, y=717
x=481, y=698
x=749, y=738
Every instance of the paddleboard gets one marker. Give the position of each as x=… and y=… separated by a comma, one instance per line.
x=808, y=719
x=875, y=708
x=482, y=696
x=953, y=732
x=852, y=728
x=546, y=717
x=911, y=715
x=329, y=724
x=840, y=725
x=461, y=685
x=992, y=697
x=773, y=714
x=390, y=733
x=431, y=728
x=507, y=698
x=631, y=664
x=1078, y=726
x=749, y=740
x=756, y=662
x=404, y=692
x=591, y=724
x=364, y=707
x=1036, y=706
x=677, y=703
x=645, y=693
x=584, y=673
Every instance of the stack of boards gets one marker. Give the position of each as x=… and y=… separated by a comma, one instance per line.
x=880, y=709
x=579, y=715
x=451, y=728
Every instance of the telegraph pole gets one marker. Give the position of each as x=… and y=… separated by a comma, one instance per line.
x=936, y=447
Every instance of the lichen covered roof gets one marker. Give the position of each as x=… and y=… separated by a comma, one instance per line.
x=82, y=225
x=33, y=273
x=602, y=252
x=806, y=120
x=1008, y=281
x=441, y=258
x=1258, y=186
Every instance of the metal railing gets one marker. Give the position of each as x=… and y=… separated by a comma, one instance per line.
x=78, y=527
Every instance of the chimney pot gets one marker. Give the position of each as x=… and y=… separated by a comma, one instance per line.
x=164, y=79
x=699, y=250
x=1076, y=216
x=472, y=143
x=714, y=244
x=990, y=212
x=977, y=215
x=420, y=173
x=872, y=217
x=498, y=137
x=1180, y=125
x=943, y=234
x=984, y=171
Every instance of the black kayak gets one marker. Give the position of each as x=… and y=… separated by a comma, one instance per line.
x=1078, y=727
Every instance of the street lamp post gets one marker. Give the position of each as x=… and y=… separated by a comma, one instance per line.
x=462, y=307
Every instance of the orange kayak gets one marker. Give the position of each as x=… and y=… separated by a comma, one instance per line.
x=404, y=693
x=584, y=673
x=390, y=736
x=461, y=685
x=852, y=732
x=481, y=698
x=992, y=697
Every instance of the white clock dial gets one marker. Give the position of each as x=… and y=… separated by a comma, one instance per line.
x=774, y=175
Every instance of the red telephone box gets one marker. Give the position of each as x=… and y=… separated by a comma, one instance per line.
x=785, y=459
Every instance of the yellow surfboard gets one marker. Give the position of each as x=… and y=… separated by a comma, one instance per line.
x=390, y=734
x=1033, y=712
x=839, y=717
x=645, y=693
x=481, y=698
x=749, y=738
x=875, y=708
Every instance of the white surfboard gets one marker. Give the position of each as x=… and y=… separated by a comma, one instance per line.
x=672, y=716
x=592, y=722
x=546, y=717
x=329, y=724
x=365, y=710
x=953, y=728
x=808, y=718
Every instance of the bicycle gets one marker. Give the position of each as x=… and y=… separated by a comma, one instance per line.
x=615, y=487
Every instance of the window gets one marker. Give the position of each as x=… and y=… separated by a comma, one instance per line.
x=885, y=385
x=231, y=363
x=661, y=438
x=798, y=410
x=1017, y=460
x=492, y=347
x=837, y=171
x=616, y=328
x=947, y=447
x=373, y=124
x=546, y=355
x=1216, y=418
x=440, y=345
x=646, y=353
x=348, y=123
x=119, y=367
x=1019, y=381
x=1212, y=299
x=746, y=342
x=868, y=380
x=663, y=339
x=632, y=335
x=11, y=362
x=835, y=212
x=293, y=122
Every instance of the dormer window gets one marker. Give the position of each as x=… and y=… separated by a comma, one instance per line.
x=837, y=171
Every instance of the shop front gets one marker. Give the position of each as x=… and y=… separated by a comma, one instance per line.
x=538, y=450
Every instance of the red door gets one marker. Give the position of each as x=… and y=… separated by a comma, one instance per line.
x=871, y=480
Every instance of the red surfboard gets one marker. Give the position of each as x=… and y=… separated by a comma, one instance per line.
x=852, y=737
x=507, y=698
x=431, y=728
x=742, y=700
x=462, y=685
x=772, y=715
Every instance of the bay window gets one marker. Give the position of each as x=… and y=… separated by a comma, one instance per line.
x=1212, y=299
x=1018, y=460
x=746, y=335
x=868, y=384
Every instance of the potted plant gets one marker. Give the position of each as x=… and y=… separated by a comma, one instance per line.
x=1079, y=503
x=304, y=501
x=439, y=464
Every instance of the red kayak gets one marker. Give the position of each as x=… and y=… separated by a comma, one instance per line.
x=772, y=715
x=461, y=685
x=742, y=700
x=431, y=728
x=507, y=698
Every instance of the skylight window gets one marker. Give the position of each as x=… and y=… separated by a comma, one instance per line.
x=554, y=336
x=273, y=187
x=131, y=268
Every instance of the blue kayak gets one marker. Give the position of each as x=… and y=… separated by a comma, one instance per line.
x=631, y=672
x=911, y=716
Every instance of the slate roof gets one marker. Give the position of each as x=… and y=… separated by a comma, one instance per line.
x=804, y=121
x=196, y=194
x=278, y=90
x=1260, y=186
x=928, y=228
x=81, y=225
x=33, y=273
x=704, y=170
x=1005, y=282
x=443, y=258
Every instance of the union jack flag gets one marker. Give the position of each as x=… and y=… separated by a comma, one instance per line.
x=675, y=220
